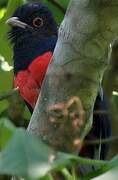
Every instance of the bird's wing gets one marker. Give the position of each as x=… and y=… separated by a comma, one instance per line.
x=28, y=87
x=30, y=80
x=39, y=66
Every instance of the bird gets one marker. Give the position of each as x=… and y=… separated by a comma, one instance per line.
x=34, y=34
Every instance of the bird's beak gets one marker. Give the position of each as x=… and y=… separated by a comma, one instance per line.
x=14, y=21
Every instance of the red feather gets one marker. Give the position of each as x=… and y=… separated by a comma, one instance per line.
x=30, y=80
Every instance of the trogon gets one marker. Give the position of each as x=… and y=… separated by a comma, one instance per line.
x=34, y=35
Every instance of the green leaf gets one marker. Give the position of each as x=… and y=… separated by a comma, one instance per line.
x=113, y=164
x=2, y=12
x=27, y=156
x=110, y=175
x=6, y=131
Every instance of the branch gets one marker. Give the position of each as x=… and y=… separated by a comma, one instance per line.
x=87, y=161
x=104, y=112
x=76, y=70
x=8, y=94
x=98, y=141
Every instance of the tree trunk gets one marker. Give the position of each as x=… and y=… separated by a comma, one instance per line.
x=63, y=113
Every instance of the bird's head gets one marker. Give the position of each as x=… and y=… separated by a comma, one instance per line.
x=31, y=21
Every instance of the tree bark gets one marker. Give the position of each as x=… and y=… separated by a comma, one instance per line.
x=63, y=113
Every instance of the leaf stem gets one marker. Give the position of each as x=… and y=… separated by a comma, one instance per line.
x=88, y=161
x=66, y=174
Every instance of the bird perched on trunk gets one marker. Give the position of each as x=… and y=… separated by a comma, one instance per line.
x=34, y=36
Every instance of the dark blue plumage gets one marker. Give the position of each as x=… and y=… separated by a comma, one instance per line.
x=34, y=33
x=31, y=51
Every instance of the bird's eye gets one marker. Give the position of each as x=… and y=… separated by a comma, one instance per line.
x=37, y=22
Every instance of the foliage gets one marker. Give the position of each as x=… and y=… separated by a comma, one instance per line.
x=6, y=131
x=26, y=156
